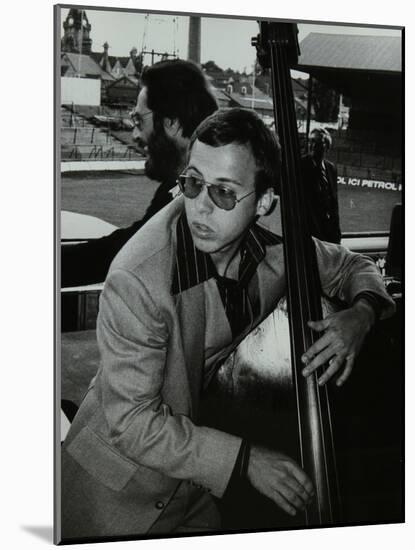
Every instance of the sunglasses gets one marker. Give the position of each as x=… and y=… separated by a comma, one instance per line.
x=137, y=118
x=222, y=197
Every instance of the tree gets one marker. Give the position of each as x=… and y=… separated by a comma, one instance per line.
x=210, y=66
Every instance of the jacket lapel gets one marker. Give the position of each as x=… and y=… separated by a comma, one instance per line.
x=191, y=311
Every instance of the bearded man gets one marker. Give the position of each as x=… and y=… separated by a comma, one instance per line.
x=174, y=99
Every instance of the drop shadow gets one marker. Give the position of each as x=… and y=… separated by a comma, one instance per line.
x=44, y=532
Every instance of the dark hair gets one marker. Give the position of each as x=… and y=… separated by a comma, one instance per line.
x=177, y=89
x=244, y=127
x=324, y=134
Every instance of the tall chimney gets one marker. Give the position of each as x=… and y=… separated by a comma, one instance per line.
x=105, y=63
x=194, y=39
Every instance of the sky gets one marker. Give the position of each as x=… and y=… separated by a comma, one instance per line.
x=227, y=41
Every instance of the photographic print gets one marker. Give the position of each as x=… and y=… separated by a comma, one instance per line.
x=229, y=201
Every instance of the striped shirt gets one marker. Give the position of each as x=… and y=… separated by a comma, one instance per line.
x=194, y=267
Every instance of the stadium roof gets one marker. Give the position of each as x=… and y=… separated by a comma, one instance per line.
x=351, y=52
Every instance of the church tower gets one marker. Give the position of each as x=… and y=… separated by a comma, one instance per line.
x=76, y=32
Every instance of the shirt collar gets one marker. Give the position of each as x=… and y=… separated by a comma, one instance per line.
x=321, y=165
x=193, y=267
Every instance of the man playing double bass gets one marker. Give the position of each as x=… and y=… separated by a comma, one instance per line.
x=180, y=296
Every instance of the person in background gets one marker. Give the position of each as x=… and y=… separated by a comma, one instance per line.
x=320, y=188
x=178, y=299
x=174, y=99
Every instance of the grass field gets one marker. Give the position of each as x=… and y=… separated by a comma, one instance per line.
x=122, y=198
x=117, y=197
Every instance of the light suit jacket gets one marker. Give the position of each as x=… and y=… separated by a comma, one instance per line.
x=136, y=436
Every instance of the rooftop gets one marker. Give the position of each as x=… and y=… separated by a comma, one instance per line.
x=84, y=64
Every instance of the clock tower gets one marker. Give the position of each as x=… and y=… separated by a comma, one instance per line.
x=76, y=32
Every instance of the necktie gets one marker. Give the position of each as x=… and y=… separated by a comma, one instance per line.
x=235, y=301
x=324, y=182
x=325, y=190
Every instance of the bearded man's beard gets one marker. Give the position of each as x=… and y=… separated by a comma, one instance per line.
x=164, y=160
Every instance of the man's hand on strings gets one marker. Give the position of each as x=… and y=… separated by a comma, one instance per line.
x=342, y=339
x=281, y=479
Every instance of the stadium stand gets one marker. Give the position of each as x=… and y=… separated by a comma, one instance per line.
x=89, y=133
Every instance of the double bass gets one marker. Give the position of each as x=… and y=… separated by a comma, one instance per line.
x=278, y=49
x=267, y=400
